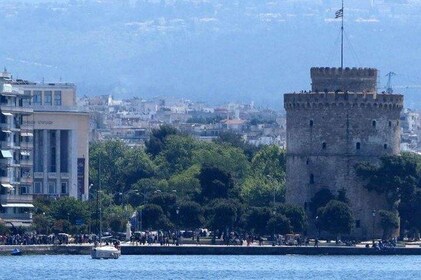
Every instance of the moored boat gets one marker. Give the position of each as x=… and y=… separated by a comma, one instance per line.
x=105, y=252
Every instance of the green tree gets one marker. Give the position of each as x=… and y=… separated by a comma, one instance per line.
x=389, y=222
x=295, y=215
x=336, y=217
x=191, y=215
x=133, y=166
x=153, y=217
x=320, y=199
x=222, y=214
x=256, y=219
x=70, y=210
x=156, y=142
x=279, y=224
x=214, y=183
x=398, y=179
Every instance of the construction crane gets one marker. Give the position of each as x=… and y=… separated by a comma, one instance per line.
x=389, y=76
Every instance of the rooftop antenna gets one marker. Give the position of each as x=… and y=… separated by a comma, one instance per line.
x=389, y=76
x=340, y=14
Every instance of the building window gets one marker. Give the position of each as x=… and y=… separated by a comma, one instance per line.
x=374, y=123
x=324, y=145
x=24, y=190
x=357, y=224
x=51, y=187
x=308, y=161
x=63, y=187
x=57, y=98
x=311, y=179
x=385, y=146
x=390, y=124
x=38, y=187
x=37, y=97
x=311, y=123
x=26, y=101
x=358, y=145
x=48, y=97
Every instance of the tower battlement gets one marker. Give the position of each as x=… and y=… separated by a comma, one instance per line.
x=343, y=79
x=342, y=99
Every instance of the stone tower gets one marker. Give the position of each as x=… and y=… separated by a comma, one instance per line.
x=341, y=122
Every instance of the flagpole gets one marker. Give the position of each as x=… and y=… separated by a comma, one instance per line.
x=342, y=37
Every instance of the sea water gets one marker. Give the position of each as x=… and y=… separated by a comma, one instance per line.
x=211, y=267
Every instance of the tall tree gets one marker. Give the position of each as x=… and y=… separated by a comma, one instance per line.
x=336, y=217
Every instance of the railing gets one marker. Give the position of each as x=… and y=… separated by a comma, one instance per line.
x=12, y=216
x=64, y=175
x=13, y=198
x=26, y=162
x=51, y=108
x=16, y=109
x=38, y=174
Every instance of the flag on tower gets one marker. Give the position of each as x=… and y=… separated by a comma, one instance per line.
x=339, y=13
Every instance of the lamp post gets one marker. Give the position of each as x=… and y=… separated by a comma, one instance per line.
x=374, y=219
x=177, y=211
x=274, y=224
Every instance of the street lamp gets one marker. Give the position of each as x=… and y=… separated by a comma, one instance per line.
x=374, y=219
x=177, y=211
x=274, y=225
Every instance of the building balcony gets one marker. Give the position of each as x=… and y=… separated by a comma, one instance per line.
x=11, y=217
x=65, y=175
x=16, y=109
x=26, y=180
x=26, y=145
x=39, y=175
x=51, y=108
x=14, y=198
x=27, y=126
x=52, y=175
x=26, y=162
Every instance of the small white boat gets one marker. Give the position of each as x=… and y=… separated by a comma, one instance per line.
x=105, y=252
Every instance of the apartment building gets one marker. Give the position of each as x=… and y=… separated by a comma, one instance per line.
x=15, y=153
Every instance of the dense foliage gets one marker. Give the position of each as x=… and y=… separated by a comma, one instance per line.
x=180, y=182
x=398, y=178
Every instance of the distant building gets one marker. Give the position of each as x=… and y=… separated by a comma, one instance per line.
x=61, y=137
x=341, y=122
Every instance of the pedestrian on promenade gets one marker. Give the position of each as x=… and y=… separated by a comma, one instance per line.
x=316, y=242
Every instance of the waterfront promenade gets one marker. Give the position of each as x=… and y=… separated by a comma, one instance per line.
x=191, y=249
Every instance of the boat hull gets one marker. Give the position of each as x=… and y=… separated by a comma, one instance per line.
x=106, y=252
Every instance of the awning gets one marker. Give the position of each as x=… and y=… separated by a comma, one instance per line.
x=25, y=153
x=7, y=114
x=19, y=205
x=6, y=154
x=6, y=131
x=6, y=185
x=27, y=134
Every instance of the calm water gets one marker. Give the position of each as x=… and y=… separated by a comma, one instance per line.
x=212, y=267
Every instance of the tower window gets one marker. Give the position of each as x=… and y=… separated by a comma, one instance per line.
x=358, y=146
x=385, y=146
x=324, y=146
x=357, y=223
x=311, y=179
x=308, y=161
x=390, y=124
x=374, y=123
x=311, y=123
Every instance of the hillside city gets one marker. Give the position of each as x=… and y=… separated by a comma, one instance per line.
x=132, y=121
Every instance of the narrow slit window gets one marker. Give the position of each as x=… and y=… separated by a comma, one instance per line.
x=385, y=146
x=374, y=123
x=324, y=145
x=311, y=123
x=358, y=146
x=311, y=179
